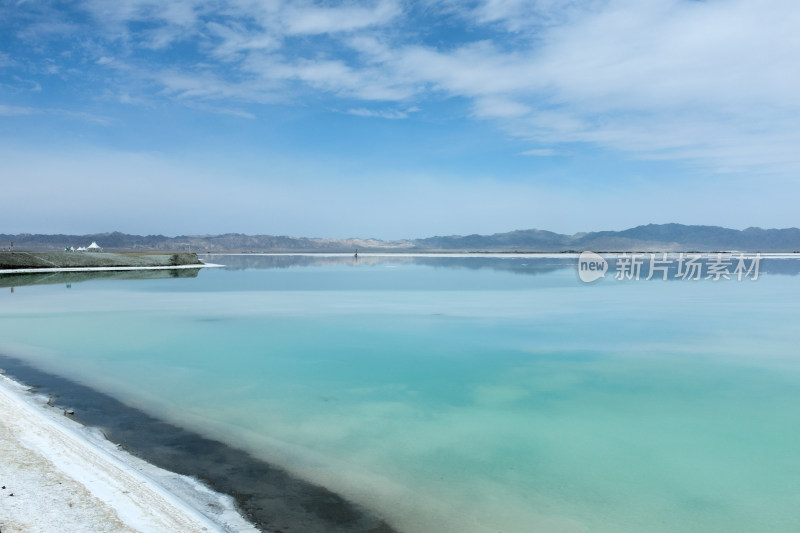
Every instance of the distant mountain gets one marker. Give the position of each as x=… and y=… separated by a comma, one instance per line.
x=702, y=238
x=229, y=242
x=522, y=240
x=652, y=237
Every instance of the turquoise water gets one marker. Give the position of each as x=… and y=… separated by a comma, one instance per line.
x=460, y=394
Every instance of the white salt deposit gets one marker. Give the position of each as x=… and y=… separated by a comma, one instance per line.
x=60, y=476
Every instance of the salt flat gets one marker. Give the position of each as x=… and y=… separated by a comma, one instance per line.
x=60, y=476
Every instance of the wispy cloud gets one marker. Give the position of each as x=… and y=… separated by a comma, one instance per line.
x=164, y=22
x=499, y=107
x=540, y=152
x=16, y=111
x=310, y=19
x=27, y=84
x=233, y=112
x=12, y=111
x=235, y=40
x=81, y=115
x=712, y=83
x=379, y=113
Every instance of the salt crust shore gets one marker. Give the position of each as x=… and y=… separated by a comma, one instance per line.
x=61, y=476
x=505, y=255
x=101, y=269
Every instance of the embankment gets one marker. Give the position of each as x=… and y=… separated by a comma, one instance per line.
x=53, y=260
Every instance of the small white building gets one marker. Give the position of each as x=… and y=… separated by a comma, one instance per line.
x=93, y=247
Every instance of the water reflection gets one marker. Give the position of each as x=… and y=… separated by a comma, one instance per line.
x=68, y=278
x=518, y=264
x=522, y=265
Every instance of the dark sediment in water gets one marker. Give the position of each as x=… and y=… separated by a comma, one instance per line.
x=66, y=278
x=271, y=498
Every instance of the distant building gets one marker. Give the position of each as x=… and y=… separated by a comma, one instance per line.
x=94, y=247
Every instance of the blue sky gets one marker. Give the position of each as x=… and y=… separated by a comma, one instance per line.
x=395, y=119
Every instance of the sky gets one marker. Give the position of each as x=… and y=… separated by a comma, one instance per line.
x=397, y=119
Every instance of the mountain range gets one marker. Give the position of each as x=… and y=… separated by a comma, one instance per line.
x=651, y=237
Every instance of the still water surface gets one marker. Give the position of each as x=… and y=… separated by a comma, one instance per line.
x=464, y=395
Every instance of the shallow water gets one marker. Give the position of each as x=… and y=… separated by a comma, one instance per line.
x=460, y=394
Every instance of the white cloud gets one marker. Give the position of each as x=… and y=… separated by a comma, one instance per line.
x=708, y=82
x=331, y=76
x=234, y=112
x=81, y=115
x=236, y=39
x=540, y=152
x=713, y=83
x=206, y=85
x=692, y=80
x=476, y=69
x=519, y=16
x=27, y=84
x=115, y=16
x=47, y=28
x=499, y=107
x=11, y=111
x=312, y=19
x=381, y=113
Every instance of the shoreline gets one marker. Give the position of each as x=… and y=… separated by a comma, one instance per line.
x=103, y=269
x=262, y=497
x=58, y=475
x=500, y=255
x=48, y=261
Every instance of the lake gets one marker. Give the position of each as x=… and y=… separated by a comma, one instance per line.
x=458, y=393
